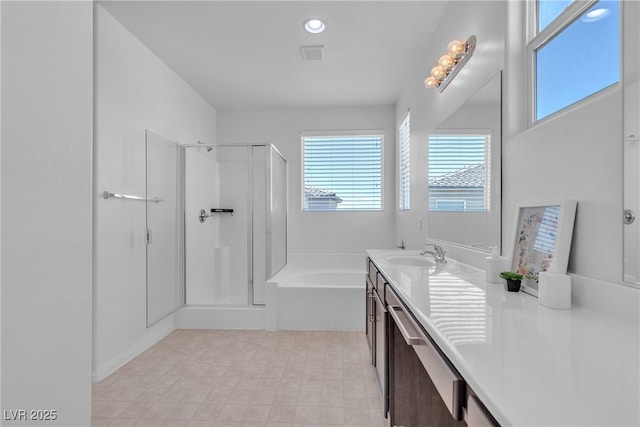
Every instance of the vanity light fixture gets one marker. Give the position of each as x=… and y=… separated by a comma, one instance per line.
x=449, y=64
x=314, y=26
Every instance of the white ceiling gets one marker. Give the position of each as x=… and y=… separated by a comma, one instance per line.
x=246, y=54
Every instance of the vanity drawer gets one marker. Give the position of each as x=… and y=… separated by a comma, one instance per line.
x=380, y=286
x=448, y=383
x=377, y=280
x=372, y=271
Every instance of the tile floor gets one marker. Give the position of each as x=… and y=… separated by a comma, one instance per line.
x=244, y=378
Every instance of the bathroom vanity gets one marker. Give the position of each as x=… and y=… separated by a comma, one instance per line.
x=459, y=351
x=376, y=329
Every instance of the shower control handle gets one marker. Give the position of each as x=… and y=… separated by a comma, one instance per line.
x=203, y=215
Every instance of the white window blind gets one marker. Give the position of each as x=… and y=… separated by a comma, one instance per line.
x=342, y=173
x=459, y=172
x=404, y=190
x=546, y=236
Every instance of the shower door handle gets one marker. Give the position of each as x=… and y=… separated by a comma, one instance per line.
x=148, y=236
x=629, y=216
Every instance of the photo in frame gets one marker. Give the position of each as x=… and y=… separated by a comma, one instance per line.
x=543, y=234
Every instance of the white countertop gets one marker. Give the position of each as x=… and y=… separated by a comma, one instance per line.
x=530, y=365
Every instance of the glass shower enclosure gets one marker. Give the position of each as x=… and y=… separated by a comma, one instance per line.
x=164, y=269
x=235, y=222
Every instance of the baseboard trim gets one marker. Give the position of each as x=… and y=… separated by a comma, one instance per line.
x=153, y=334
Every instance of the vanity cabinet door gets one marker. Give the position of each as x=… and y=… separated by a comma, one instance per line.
x=370, y=318
x=381, y=347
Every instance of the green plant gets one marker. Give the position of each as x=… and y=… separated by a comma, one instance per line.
x=510, y=275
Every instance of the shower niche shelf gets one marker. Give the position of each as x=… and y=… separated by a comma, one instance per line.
x=204, y=215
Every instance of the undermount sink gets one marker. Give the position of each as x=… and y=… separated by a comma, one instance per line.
x=411, y=260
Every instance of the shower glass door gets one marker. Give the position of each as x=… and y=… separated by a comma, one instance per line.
x=164, y=241
x=230, y=255
x=277, y=212
x=218, y=244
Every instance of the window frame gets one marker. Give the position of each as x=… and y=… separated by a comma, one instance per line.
x=401, y=196
x=537, y=39
x=336, y=134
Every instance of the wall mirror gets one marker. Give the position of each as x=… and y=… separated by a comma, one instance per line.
x=465, y=173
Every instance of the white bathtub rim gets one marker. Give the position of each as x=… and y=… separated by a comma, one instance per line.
x=291, y=277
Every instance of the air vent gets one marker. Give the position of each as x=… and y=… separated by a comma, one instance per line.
x=312, y=53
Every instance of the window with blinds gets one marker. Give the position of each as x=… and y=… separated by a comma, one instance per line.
x=459, y=172
x=342, y=173
x=404, y=164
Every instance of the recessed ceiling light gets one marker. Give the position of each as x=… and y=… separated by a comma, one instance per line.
x=314, y=26
x=596, y=15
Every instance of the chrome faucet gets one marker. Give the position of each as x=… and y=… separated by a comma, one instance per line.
x=437, y=252
x=401, y=245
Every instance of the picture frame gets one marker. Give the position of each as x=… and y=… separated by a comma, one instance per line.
x=543, y=234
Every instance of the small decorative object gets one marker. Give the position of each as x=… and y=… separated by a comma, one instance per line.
x=513, y=280
x=543, y=233
x=554, y=288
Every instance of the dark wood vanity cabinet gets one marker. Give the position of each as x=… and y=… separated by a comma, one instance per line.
x=419, y=385
x=376, y=329
x=370, y=317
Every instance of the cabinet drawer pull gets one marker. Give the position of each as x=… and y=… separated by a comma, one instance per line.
x=409, y=333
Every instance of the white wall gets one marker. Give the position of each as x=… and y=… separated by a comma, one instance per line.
x=631, y=125
x=47, y=83
x=576, y=154
x=320, y=232
x=134, y=91
x=429, y=108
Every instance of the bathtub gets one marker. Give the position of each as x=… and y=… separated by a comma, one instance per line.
x=317, y=292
